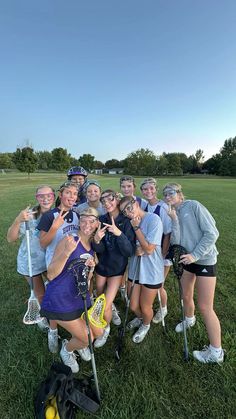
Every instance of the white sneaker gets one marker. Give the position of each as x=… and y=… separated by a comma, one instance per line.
x=43, y=325
x=68, y=358
x=179, y=328
x=134, y=324
x=101, y=340
x=160, y=314
x=85, y=353
x=141, y=333
x=53, y=340
x=206, y=356
x=115, y=316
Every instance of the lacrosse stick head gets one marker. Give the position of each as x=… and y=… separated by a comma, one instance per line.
x=80, y=272
x=175, y=251
x=32, y=315
x=96, y=312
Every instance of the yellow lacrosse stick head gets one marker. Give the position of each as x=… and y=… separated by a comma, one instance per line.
x=96, y=312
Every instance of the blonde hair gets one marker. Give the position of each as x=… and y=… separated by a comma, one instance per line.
x=89, y=212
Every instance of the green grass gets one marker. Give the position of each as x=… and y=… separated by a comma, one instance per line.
x=151, y=381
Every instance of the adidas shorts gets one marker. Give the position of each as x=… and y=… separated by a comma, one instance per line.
x=201, y=270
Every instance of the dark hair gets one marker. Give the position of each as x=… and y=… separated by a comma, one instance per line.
x=128, y=178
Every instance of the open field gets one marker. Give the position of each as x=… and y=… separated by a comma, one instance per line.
x=151, y=381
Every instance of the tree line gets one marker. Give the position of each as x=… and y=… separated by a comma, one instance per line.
x=142, y=162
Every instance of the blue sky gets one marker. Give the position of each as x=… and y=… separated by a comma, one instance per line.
x=109, y=77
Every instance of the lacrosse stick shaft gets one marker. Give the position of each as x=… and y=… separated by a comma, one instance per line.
x=122, y=330
x=161, y=310
x=27, y=227
x=91, y=349
x=186, y=352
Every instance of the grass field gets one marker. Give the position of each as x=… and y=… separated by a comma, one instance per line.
x=151, y=381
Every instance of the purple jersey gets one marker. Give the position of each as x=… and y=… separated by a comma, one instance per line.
x=61, y=295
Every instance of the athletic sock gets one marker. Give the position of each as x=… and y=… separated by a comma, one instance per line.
x=52, y=330
x=215, y=351
x=189, y=319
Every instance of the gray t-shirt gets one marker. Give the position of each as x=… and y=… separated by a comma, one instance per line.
x=149, y=269
x=36, y=251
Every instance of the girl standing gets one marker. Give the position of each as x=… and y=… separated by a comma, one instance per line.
x=45, y=196
x=114, y=243
x=194, y=228
x=146, y=265
x=159, y=207
x=60, y=221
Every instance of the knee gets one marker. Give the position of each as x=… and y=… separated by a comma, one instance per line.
x=205, y=308
x=146, y=309
x=134, y=306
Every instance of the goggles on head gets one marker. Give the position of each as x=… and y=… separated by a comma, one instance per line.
x=170, y=192
x=107, y=198
x=128, y=207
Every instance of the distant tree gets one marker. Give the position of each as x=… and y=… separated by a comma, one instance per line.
x=6, y=161
x=44, y=160
x=162, y=165
x=212, y=165
x=87, y=162
x=60, y=159
x=141, y=162
x=229, y=148
x=74, y=162
x=113, y=163
x=174, y=164
x=98, y=164
x=25, y=160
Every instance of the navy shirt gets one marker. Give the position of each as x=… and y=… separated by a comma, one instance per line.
x=113, y=251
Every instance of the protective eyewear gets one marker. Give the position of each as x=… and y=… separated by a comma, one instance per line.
x=42, y=196
x=128, y=207
x=170, y=192
x=107, y=198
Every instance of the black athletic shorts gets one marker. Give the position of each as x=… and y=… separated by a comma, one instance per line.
x=153, y=287
x=61, y=316
x=201, y=270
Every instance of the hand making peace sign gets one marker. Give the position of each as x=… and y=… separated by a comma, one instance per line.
x=59, y=221
x=112, y=228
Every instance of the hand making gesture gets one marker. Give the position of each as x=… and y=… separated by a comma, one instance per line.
x=59, y=221
x=100, y=233
x=112, y=228
x=70, y=245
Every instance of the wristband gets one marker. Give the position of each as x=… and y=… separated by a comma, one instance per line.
x=136, y=228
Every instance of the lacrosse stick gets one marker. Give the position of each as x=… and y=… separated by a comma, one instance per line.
x=161, y=311
x=32, y=315
x=121, y=330
x=94, y=314
x=175, y=252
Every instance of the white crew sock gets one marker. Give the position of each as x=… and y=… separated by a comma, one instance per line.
x=215, y=351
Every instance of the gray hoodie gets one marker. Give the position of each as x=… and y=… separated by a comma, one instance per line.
x=195, y=229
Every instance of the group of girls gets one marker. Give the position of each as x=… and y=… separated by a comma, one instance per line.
x=117, y=233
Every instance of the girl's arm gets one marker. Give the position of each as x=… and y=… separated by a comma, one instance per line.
x=62, y=253
x=14, y=229
x=46, y=237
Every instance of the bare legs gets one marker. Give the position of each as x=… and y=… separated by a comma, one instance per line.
x=205, y=287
